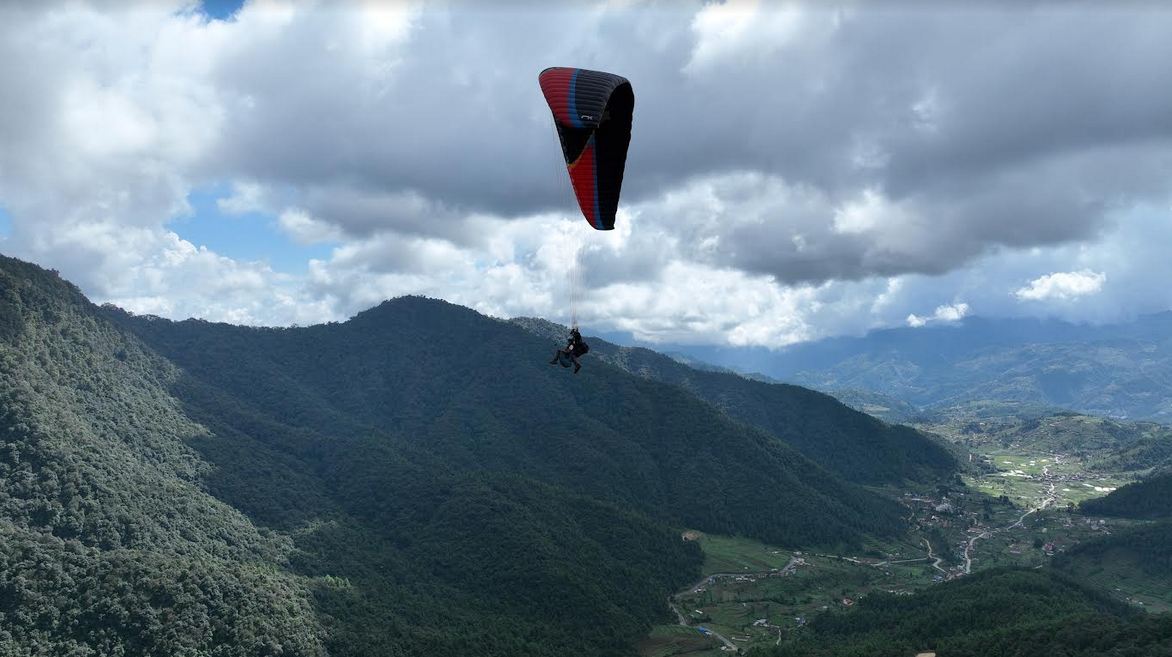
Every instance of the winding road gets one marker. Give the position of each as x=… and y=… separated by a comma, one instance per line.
x=968, y=550
x=708, y=579
x=935, y=559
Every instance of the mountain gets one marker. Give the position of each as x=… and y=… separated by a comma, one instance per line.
x=877, y=404
x=1120, y=370
x=995, y=612
x=1148, y=452
x=1135, y=561
x=1149, y=498
x=477, y=394
x=846, y=442
x=413, y=481
x=1105, y=443
x=109, y=544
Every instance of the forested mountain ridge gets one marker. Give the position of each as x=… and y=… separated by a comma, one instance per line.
x=842, y=440
x=102, y=515
x=1146, y=548
x=1104, y=443
x=477, y=393
x=416, y=480
x=1001, y=611
x=1008, y=612
x=111, y=543
x=1149, y=498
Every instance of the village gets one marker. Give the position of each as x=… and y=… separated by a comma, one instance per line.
x=756, y=594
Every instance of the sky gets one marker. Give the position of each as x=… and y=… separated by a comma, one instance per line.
x=796, y=170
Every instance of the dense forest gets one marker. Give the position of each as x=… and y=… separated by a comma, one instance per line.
x=109, y=544
x=473, y=393
x=1150, y=498
x=119, y=536
x=1000, y=612
x=1149, y=452
x=854, y=445
x=418, y=481
x=1145, y=549
x=414, y=481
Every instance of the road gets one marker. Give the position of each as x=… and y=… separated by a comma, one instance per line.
x=935, y=559
x=708, y=579
x=876, y=564
x=711, y=632
x=968, y=550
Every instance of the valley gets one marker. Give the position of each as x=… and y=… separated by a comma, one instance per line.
x=1017, y=508
x=354, y=489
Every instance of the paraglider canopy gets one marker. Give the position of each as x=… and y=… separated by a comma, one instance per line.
x=592, y=111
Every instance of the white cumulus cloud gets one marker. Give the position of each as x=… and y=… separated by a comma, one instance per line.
x=1062, y=285
x=797, y=170
x=946, y=314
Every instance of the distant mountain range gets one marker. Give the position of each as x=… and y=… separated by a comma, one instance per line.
x=1120, y=370
x=1103, y=443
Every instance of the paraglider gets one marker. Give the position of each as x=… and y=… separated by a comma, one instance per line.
x=575, y=347
x=592, y=111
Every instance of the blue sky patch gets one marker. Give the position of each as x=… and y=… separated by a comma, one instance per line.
x=5, y=224
x=252, y=236
x=221, y=9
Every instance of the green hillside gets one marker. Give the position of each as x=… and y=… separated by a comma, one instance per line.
x=877, y=404
x=1150, y=498
x=112, y=543
x=1040, y=429
x=1011, y=613
x=477, y=394
x=1135, y=563
x=414, y=481
x=846, y=442
x=109, y=544
x=1146, y=453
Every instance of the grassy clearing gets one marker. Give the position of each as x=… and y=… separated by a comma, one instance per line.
x=730, y=554
x=1025, y=478
x=673, y=640
x=759, y=608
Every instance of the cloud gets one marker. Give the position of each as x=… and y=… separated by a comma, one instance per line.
x=943, y=314
x=153, y=271
x=737, y=31
x=246, y=197
x=1062, y=286
x=797, y=169
x=304, y=229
